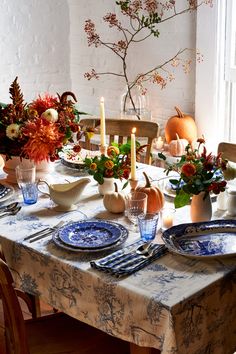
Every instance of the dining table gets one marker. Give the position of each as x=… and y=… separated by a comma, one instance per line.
x=175, y=304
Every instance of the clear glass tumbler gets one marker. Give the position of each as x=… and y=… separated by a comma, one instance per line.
x=27, y=183
x=136, y=203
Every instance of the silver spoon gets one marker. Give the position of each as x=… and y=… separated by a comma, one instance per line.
x=145, y=250
x=9, y=207
x=10, y=212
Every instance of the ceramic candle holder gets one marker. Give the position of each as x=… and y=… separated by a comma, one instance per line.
x=103, y=149
x=133, y=184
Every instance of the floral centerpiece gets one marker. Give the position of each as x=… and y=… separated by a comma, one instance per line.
x=115, y=164
x=198, y=172
x=37, y=130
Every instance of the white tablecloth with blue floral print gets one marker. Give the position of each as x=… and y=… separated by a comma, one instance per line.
x=176, y=304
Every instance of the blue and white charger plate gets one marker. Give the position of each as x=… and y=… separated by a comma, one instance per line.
x=202, y=240
x=92, y=234
x=123, y=237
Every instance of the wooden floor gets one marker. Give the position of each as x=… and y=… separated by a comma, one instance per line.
x=45, y=309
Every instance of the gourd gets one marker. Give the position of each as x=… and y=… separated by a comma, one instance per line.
x=177, y=147
x=114, y=201
x=155, y=197
x=181, y=124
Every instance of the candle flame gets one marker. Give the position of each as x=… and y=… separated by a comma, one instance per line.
x=102, y=99
x=133, y=130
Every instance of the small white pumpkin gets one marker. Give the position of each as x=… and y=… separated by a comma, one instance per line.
x=114, y=201
x=177, y=147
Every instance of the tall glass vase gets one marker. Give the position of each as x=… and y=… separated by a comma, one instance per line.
x=201, y=207
x=134, y=104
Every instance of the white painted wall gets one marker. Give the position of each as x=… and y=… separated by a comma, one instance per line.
x=34, y=45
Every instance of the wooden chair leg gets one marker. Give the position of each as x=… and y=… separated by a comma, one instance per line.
x=36, y=311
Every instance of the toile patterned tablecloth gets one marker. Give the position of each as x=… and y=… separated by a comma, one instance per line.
x=176, y=304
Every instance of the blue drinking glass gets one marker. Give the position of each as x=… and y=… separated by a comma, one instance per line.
x=148, y=226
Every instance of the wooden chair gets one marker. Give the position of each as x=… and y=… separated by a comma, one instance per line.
x=51, y=334
x=120, y=129
x=228, y=151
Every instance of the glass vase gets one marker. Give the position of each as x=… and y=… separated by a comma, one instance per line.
x=134, y=104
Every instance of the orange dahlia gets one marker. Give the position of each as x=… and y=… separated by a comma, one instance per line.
x=44, y=139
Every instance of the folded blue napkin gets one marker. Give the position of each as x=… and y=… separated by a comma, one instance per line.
x=126, y=261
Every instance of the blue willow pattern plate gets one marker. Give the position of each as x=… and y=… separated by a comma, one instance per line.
x=90, y=234
x=123, y=237
x=206, y=239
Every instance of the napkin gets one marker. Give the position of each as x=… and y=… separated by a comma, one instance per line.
x=127, y=261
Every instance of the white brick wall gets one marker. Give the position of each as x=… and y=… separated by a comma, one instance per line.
x=34, y=43
x=44, y=44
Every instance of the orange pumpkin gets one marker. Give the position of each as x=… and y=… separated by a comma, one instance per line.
x=155, y=197
x=181, y=124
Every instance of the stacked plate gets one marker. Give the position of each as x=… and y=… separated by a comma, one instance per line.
x=6, y=192
x=90, y=236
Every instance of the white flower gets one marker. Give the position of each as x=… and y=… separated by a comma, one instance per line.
x=51, y=115
x=13, y=131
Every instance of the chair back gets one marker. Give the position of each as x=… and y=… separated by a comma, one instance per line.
x=120, y=129
x=228, y=151
x=16, y=342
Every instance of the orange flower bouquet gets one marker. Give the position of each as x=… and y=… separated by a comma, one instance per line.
x=198, y=172
x=37, y=130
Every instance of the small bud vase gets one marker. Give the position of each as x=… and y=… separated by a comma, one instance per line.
x=107, y=186
x=201, y=208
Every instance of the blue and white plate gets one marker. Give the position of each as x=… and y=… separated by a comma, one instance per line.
x=123, y=237
x=204, y=240
x=90, y=234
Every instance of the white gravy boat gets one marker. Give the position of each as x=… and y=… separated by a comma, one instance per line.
x=65, y=195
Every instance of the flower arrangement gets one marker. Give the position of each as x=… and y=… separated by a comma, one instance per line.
x=37, y=130
x=136, y=21
x=116, y=164
x=198, y=172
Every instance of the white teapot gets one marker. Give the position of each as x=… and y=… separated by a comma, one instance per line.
x=65, y=195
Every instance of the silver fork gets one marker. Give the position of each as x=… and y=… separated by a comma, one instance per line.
x=10, y=212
